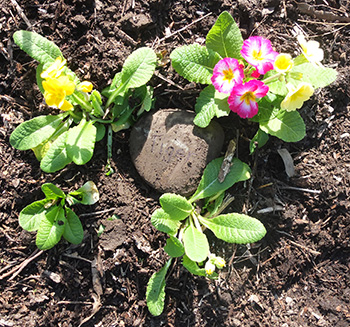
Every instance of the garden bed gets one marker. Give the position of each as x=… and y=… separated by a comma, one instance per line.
x=298, y=275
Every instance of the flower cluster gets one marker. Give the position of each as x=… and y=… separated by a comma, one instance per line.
x=58, y=86
x=214, y=262
x=242, y=83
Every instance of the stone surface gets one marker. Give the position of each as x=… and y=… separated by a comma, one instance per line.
x=170, y=152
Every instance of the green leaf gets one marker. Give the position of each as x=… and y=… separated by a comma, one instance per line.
x=210, y=185
x=235, y=228
x=209, y=104
x=194, y=62
x=288, y=126
x=176, y=206
x=30, y=217
x=51, y=228
x=37, y=46
x=87, y=194
x=317, y=76
x=225, y=37
x=174, y=247
x=31, y=133
x=52, y=192
x=258, y=141
x=196, y=244
x=213, y=205
x=164, y=223
x=138, y=68
x=80, y=142
x=192, y=266
x=100, y=131
x=56, y=156
x=155, y=293
x=73, y=231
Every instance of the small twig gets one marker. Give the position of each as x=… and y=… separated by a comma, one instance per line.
x=21, y=13
x=76, y=302
x=96, y=213
x=183, y=28
x=159, y=75
x=76, y=257
x=300, y=189
x=305, y=248
x=16, y=270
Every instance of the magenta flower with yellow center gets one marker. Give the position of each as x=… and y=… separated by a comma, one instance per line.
x=243, y=98
x=56, y=90
x=258, y=52
x=297, y=96
x=227, y=73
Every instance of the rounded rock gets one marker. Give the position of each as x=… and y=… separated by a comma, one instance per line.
x=170, y=152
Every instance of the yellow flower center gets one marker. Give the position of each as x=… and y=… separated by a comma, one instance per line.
x=248, y=97
x=257, y=55
x=228, y=74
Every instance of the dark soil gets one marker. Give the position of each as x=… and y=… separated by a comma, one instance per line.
x=298, y=275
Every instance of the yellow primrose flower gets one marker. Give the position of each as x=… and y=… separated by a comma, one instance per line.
x=283, y=63
x=209, y=267
x=56, y=89
x=296, y=96
x=55, y=70
x=219, y=262
x=311, y=50
x=85, y=86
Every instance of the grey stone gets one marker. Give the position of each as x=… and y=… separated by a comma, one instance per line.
x=170, y=152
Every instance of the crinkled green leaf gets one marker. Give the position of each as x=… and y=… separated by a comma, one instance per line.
x=235, y=228
x=174, y=247
x=51, y=228
x=286, y=125
x=31, y=133
x=37, y=46
x=56, y=156
x=317, y=76
x=209, y=104
x=80, y=142
x=139, y=67
x=210, y=185
x=196, y=244
x=52, y=192
x=225, y=37
x=73, y=231
x=192, y=266
x=176, y=206
x=155, y=293
x=194, y=62
x=164, y=223
x=30, y=217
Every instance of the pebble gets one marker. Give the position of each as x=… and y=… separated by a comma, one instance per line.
x=170, y=152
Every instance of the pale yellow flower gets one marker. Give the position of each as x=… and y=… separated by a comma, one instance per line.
x=297, y=96
x=209, y=267
x=56, y=89
x=85, y=86
x=311, y=50
x=219, y=262
x=55, y=70
x=283, y=63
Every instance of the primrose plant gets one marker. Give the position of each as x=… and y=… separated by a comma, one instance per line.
x=185, y=220
x=52, y=218
x=70, y=136
x=251, y=79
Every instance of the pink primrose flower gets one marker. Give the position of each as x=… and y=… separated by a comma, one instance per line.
x=227, y=73
x=242, y=99
x=258, y=52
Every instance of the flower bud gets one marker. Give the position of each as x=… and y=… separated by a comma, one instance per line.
x=209, y=267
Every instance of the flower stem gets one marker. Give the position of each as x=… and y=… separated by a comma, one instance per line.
x=271, y=78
